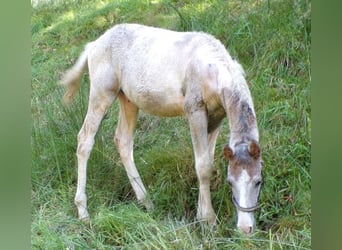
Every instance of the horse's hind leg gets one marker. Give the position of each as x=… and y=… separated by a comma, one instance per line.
x=124, y=141
x=100, y=100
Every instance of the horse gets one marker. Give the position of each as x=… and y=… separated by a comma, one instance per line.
x=168, y=73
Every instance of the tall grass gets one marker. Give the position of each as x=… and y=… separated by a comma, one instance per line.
x=271, y=39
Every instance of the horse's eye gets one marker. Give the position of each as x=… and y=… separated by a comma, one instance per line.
x=258, y=183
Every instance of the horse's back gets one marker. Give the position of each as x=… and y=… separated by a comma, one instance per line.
x=151, y=64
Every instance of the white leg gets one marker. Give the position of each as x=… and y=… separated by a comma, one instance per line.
x=212, y=137
x=203, y=163
x=124, y=142
x=97, y=108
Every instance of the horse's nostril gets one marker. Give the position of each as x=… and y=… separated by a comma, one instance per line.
x=247, y=230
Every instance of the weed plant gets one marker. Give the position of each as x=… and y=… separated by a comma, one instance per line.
x=270, y=38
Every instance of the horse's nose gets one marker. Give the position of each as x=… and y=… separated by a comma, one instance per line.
x=245, y=223
x=246, y=229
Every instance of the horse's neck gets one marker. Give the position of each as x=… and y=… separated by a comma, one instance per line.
x=242, y=120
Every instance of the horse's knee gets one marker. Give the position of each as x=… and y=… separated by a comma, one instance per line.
x=204, y=174
x=204, y=169
x=84, y=146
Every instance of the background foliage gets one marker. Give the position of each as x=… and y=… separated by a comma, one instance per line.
x=271, y=39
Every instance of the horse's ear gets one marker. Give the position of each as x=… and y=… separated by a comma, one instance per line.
x=228, y=153
x=254, y=150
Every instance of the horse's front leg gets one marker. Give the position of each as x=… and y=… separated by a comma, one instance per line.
x=197, y=117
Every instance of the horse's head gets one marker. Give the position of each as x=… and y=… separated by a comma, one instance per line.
x=244, y=176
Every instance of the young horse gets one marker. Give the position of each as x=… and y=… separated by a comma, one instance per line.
x=167, y=73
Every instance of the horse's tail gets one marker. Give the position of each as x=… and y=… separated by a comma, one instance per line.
x=72, y=77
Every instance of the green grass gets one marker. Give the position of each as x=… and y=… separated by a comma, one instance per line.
x=271, y=39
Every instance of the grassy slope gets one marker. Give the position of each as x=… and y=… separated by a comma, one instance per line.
x=272, y=41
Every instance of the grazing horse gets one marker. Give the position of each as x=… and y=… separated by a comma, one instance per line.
x=168, y=73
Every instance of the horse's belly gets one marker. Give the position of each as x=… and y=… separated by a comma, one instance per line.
x=163, y=102
x=154, y=83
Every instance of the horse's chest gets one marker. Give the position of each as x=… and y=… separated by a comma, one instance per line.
x=215, y=117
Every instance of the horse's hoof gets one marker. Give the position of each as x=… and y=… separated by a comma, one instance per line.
x=85, y=220
x=147, y=203
x=209, y=218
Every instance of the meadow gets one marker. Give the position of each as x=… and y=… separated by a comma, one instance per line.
x=270, y=38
